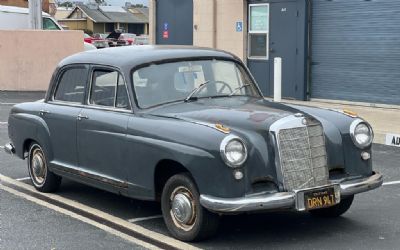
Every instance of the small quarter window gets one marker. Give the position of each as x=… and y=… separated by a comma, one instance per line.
x=122, y=100
x=71, y=86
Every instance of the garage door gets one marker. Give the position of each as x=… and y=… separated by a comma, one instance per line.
x=174, y=22
x=356, y=50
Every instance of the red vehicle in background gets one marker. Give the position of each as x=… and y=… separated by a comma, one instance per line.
x=87, y=38
x=98, y=42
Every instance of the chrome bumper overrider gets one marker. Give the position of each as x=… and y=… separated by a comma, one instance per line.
x=282, y=200
x=9, y=148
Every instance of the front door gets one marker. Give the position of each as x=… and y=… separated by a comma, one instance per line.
x=102, y=126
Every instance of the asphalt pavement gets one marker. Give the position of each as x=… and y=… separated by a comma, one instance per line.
x=373, y=222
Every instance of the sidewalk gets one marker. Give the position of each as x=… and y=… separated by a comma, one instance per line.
x=383, y=119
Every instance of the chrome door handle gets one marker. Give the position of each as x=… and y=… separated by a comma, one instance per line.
x=42, y=112
x=80, y=117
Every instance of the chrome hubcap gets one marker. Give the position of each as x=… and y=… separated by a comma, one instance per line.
x=183, y=210
x=38, y=166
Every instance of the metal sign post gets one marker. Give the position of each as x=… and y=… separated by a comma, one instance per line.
x=35, y=14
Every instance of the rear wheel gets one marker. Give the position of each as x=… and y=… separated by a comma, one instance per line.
x=185, y=218
x=334, y=211
x=42, y=179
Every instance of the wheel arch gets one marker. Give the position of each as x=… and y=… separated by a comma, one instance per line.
x=165, y=169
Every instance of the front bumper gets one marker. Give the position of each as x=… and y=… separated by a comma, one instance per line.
x=282, y=200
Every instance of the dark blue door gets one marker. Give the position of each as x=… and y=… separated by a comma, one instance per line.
x=174, y=22
x=284, y=35
x=283, y=43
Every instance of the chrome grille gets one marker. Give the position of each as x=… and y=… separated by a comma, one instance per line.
x=302, y=156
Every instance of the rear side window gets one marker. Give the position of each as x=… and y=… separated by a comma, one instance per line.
x=108, y=89
x=71, y=86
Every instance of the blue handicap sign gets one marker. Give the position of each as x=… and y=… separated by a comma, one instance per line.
x=239, y=26
x=165, y=26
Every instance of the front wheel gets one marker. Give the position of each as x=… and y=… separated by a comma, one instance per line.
x=42, y=179
x=185, y=218
x=336, y=210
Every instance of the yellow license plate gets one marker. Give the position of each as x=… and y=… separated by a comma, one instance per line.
x=321, y=198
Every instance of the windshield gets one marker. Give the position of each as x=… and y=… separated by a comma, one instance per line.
x=169, y=82
x=48, y=24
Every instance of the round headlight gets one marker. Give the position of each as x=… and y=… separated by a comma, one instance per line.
x=361, y=133
x=233, y=151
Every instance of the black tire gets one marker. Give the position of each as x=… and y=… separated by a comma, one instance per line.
x=203, y=224
x=41, y=177
x=334, y=211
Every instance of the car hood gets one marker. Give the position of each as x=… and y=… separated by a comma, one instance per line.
x=233, y=112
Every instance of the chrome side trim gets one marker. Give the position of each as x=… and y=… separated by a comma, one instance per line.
x=93, y=176
x=282, y=200
x=9, y=149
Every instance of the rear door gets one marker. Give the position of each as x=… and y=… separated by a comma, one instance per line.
x=102, y=126
x=60, y=114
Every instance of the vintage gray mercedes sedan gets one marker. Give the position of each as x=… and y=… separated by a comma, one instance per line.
x=189, y=127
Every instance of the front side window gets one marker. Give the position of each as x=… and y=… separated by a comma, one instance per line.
x=71, y=85
x=108, y=90
x=168, y=82
x=258, y=31
x=49, y=24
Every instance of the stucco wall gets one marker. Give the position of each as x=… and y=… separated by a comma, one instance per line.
x=214, y=24
x=152, y=21
x=29, y=57
x=228, y=13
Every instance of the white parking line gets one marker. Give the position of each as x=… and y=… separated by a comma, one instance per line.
x=3, y=123
x=80, y=218
x=8, y=103
x=391, y=183
x=93, y=211
x=23, y=178
x=144, y=218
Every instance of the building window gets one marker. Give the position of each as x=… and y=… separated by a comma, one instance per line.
x=258, y=37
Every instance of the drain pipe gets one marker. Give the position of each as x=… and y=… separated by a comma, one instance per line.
x=309, y=48
x=214, y=41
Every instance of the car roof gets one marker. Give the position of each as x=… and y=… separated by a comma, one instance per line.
x=132, y=56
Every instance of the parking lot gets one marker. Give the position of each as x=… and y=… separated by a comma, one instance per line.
x=87, y=218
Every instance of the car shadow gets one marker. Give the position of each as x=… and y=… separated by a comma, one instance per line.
x=114, y=204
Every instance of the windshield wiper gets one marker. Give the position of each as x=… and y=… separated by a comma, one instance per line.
x=238, y=88
x=195, y=90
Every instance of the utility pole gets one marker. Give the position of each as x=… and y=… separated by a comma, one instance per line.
x=35, y=14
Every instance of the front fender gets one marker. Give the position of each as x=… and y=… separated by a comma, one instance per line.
x=194, y=146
